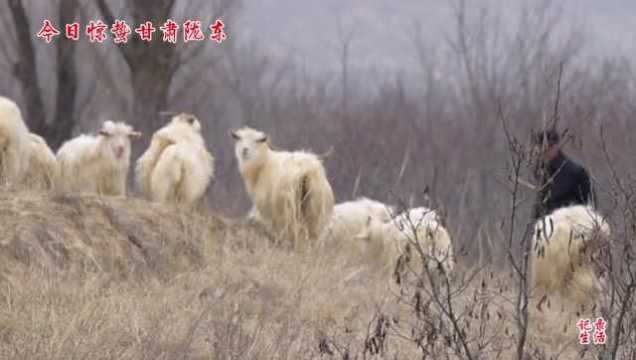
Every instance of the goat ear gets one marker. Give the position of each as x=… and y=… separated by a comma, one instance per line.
x=265, y=138
x=104, y=132
x=135, y=135
x=234, y=135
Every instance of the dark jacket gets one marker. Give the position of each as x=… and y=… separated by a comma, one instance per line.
x=564, y=183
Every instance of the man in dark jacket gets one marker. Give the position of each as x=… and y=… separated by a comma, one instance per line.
x=562, y=182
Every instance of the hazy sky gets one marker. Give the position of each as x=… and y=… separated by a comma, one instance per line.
x=307, y=28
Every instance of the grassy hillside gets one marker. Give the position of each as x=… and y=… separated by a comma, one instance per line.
x=107, y=278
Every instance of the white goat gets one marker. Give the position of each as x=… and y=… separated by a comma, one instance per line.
x=97, y=164
x=42, y=170
x=560, y=242
x=350, y=218
x=14, y=140
x=176, y=167
x=417, y=227
x=289, y=189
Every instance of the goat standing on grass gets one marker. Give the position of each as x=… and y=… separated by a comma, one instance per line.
x=290, y=190
x=26, y=161
x=176, y=167
x=14, y=143
x=560, y=244
x=42, y=170
x=97, y=164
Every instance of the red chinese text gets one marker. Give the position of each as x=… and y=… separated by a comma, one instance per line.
x=121, y=31
x=218, y=34
x=169, y=30
x=599, y=331
x=96, y=31
x=48, y=31
x=145, y=31
x=585, y=329
x=192, y=31
x=73, y=31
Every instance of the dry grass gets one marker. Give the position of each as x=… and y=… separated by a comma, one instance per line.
x=89, y=277
x=111, y=278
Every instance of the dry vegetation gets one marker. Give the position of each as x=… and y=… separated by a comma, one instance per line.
x=114, y=278
x=104, y=278
x=87, y=277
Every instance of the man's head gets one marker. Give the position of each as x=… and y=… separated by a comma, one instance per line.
x=546, y=144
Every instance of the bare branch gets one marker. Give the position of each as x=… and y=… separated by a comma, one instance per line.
x=26, y=68
x=555, y=115
x=109, y=19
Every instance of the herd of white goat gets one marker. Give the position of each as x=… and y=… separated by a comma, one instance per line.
x=290, y=192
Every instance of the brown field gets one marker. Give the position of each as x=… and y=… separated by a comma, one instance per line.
x=107, y=278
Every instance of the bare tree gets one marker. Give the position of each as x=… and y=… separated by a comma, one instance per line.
x=25, y=67
x=154, y=64
x=345, y=39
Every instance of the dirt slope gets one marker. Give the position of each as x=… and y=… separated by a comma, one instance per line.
x=114, y=235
